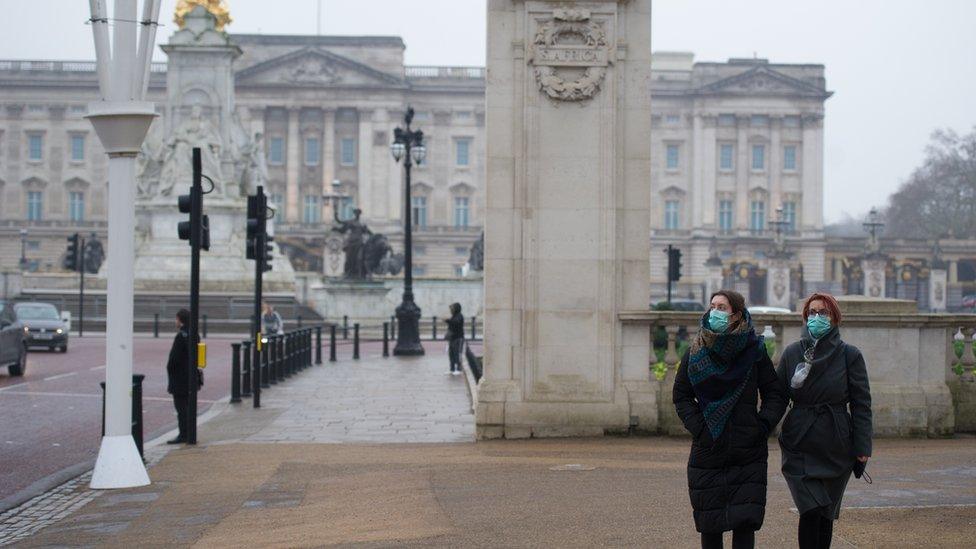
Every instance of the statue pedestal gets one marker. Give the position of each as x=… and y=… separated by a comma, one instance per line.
x=778, y=285
x=363, y=301
x=874, y=276
x=938, y=288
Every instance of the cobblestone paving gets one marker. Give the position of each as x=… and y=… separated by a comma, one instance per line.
x=374, y=400
x=20, y=522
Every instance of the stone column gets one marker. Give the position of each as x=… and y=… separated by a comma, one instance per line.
x=328, y=159
x=874, y=276
x=293, y=160
x=938, y=290
x=743, y=165
x=778, y=284
x=364, y=164
x=713, y=278
x=566, y=247
x=811, y=166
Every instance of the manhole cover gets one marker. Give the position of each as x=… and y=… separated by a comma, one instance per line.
x=572, y=467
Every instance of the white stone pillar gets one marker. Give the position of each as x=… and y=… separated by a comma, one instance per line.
x=293, y=159
x=811, y=165
x=743, y=166
x=365, y=163
x=713, y=278
x=874, y=277
x=328, y=159
x=938, y=290
x=778, y=284
x=567, y=224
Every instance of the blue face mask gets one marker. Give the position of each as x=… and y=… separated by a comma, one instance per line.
x=818, y=326
x=718, y=321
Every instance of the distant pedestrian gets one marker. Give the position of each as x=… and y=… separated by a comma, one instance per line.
x=177, y=372
x=271, y=322
x=455, y=338
x=827, y=433
x=715, y=394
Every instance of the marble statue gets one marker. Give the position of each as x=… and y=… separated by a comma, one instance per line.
x=356, y=234
x=177, y=154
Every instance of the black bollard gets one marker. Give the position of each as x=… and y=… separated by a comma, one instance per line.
x=332, y=343
x=280, y=356
x=318, y=345
x=433, y=329
x=345, y=327
x=263, y=362
x=205, y=326
x=355, y=341
x=299, y=321
x=246, y=377
x=386, y=339
x=474, y=327
x=235, y=373
x=272, y=363
x=136, y=393
x=155, y=324
x=393, y=327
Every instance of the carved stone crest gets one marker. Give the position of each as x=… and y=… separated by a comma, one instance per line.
x=570, y=55
x=314, y=71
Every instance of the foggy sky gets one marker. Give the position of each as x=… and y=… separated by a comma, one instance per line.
x=899, y=68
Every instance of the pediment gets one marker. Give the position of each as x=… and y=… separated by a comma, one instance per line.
x=316, y=68
x=672, y=191
x=763, y=81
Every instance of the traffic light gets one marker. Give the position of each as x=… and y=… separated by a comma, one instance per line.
x=205, y=233
x=71, y=259
x=185, y=203
x=254, y=214
x=268, y=253
x=674, y=264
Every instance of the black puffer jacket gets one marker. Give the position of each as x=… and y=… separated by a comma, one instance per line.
x=727, y=477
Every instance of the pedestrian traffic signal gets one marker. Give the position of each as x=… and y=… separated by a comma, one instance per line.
x=72, y=260
x=674, y=264
x=185, y=228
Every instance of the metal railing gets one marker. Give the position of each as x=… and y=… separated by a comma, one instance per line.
x=428, y=71
x=278, y=357
x=35, y=65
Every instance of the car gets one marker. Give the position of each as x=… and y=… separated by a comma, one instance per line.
x=679, y=305
x=42, y=325
x=761, y=310
x=13, y=350
x=968, y=301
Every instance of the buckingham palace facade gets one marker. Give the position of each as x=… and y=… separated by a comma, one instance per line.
x=735, y=145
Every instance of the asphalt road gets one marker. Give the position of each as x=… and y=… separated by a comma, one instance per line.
x=51, y=417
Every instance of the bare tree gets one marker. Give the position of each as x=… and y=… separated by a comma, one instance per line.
x=939, y=199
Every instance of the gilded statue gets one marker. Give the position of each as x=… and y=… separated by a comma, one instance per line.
x=217, y=8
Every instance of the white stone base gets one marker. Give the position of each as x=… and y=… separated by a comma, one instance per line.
x=118, y=465
x=374, y=301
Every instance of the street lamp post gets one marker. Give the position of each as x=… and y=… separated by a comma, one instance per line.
x=409, y=145
x=873, y=226
x=23, y=249
x=121, y=119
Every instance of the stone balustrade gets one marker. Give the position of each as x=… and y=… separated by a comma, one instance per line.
x=920, y=386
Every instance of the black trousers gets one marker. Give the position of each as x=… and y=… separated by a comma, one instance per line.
x=816, y=530
x=742, y=538
x=180, y=402
x=454, y=352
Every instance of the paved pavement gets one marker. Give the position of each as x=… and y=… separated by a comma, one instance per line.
x=265, y=477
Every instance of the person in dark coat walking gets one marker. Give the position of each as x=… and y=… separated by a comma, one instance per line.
x=177, y=373
x=455, y=338
x=715, y=394
x=827, y=432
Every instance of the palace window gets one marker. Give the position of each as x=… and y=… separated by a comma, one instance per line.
x=346, y=208
x=276, y=151
x=757, y=218
x=789, y=216
x=726, y=120
x=34, y=205
x=311, y=212
x=76, y=206
x=77, y=148
x=725, y=216
x=791, y=121
x=460, y=212
x=672, y=157
x=312, y=151
x=462, y=148
x=789, y=157
x=759, y=157
x=347, y=152
x=672, y=119
x=725, y=157
x=671, y=220
x=759, y=120
x=419, y=211
x=35, y=147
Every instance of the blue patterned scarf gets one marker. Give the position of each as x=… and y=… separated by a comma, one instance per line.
x=719, y=366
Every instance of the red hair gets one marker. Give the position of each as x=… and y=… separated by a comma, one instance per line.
x=829, y=302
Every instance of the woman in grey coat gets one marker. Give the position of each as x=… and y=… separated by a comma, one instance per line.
x=827, y=431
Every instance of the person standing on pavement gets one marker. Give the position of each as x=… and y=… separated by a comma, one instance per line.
x=455, y=338
x=827, y=433
x=715, y=394
x=177, y=372
x=271, y=322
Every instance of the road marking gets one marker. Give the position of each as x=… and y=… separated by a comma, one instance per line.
x=97, y=395
x=14, y=386
x=935, y=506
x=59, y=376
x=96, y=368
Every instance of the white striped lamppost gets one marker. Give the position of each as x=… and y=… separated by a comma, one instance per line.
x=121, y=119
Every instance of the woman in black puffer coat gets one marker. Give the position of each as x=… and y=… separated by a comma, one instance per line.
x=716, y=392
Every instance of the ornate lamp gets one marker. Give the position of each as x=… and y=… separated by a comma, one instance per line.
x=409, y=145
